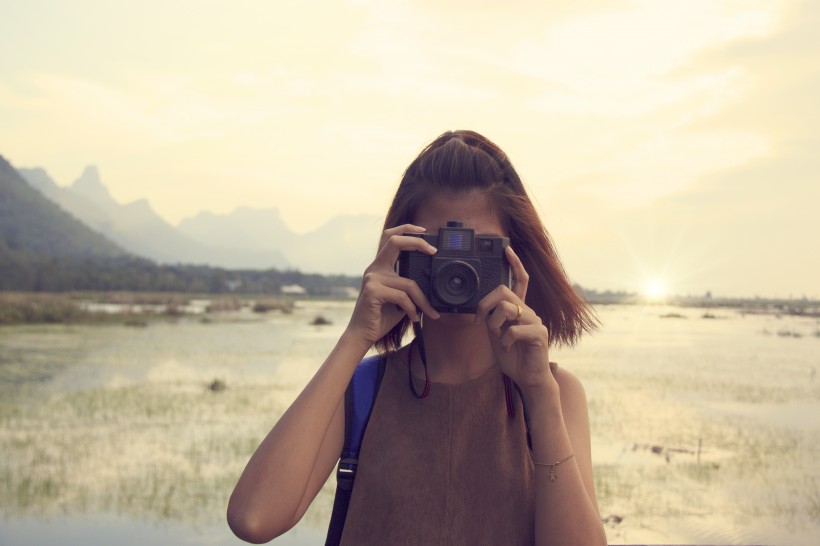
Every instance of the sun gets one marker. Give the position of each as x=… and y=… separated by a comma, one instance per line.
x=655, y=289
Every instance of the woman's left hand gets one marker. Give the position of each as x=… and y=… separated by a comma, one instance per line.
x=518, y=337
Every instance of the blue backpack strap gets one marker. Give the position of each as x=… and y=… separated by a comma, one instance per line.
x=359, y=399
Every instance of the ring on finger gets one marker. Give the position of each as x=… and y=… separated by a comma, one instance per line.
x=520, y=311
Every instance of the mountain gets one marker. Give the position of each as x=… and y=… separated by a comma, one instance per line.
x=345, y=244
x=136, y=227
x=45, y=248
x=91, y=187
x=34, y=230
x=32, y=224
x=74, y=202
x=247, y=238
x=251, y=235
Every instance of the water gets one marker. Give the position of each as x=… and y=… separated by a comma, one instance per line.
x=703, y=430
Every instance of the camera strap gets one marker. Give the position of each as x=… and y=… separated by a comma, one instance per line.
x=423, y=355
x=508, y=383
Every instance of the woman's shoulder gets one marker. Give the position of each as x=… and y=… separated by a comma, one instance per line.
x=573, y=394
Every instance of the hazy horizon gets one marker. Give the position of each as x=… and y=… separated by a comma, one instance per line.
x=668, y=145
x=177, y=222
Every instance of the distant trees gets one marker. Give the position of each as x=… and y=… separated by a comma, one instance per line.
x=45, y=249
x=61, y=274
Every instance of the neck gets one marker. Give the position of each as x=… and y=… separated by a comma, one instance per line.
x=457, y=350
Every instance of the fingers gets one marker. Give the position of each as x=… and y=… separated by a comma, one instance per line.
x=504, y=300
x=395, y=240
x=400, y=230
x=382, y=285
x=403, y=292
x=532, y=334
x=509, y=320
x=401, y=300
x=507, y=311
x=414, y=293
x=520, y=275
x=511, y=323
x=517, y=293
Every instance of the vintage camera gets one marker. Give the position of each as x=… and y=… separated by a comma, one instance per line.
x=464, y=270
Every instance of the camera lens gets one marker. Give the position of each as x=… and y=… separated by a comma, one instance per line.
x=456, y=283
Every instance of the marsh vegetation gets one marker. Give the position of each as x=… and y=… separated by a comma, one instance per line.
x=130, y=308
x=704, y=431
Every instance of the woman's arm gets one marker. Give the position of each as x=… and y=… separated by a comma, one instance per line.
x=289, y=467
x=294, y=460
x=566, y=510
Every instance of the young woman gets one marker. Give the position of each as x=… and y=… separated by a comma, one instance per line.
x=452, y=467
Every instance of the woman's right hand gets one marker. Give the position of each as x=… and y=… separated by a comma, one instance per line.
x=385, y=297
x=294, y=460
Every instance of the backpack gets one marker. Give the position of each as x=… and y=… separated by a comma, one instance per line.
x=359, y=399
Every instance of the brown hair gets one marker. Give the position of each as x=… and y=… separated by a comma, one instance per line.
x=465, y=161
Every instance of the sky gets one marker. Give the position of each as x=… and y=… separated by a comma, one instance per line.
x=668, y=144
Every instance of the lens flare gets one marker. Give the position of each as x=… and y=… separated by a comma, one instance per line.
x=655, y=289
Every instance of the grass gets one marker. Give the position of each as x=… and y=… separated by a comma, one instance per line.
x=23, y=308
x=167, y=451
x=136, y=308
x=170, y=447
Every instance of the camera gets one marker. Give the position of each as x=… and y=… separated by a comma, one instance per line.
x=464, y=270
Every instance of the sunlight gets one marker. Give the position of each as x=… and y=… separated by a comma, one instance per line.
x=655, y=289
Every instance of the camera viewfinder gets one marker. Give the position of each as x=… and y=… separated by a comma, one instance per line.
x=456, y=239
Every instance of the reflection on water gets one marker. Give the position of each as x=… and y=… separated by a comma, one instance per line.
x=704, y=431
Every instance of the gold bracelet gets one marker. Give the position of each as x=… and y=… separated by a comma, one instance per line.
x=553, y=473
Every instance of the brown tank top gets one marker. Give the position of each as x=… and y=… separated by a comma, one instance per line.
x=452, y=468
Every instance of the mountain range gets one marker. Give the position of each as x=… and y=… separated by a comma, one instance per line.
x=33, y=226
x=246, y=238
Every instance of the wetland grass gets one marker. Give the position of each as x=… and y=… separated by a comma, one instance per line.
x=130, y=308
x=703, y=431
x=158, y=451
x=31, y=308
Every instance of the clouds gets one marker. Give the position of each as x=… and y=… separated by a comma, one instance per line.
x=636, y=124
x=772, y=202
x=745, y=226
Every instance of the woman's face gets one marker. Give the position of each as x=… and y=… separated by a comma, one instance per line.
x=472, y=208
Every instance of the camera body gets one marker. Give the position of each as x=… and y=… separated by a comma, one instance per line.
x=464, y=270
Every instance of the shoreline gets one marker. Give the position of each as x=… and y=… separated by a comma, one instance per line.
x=139, y=308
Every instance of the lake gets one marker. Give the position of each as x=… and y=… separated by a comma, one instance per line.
x=704, y=430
